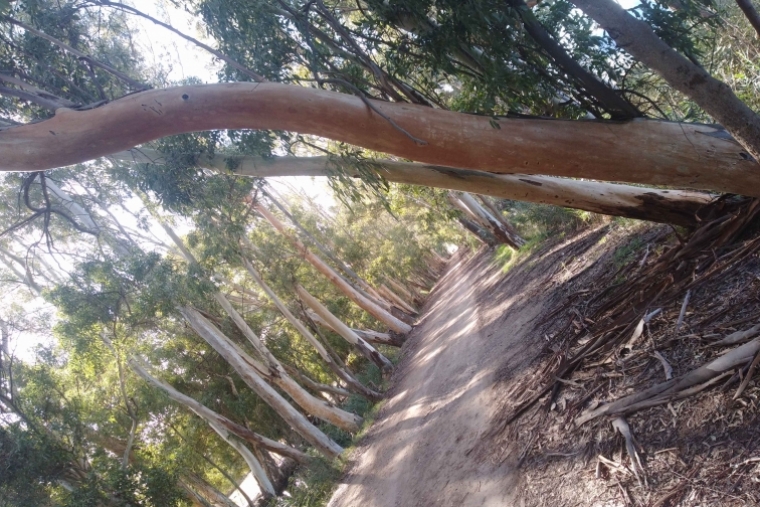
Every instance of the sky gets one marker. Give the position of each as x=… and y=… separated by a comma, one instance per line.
x=161, y=47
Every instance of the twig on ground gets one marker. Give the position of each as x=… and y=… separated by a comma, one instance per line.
x=665, y=365
x=683, y=311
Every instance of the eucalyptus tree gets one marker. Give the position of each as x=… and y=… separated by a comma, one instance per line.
x=696, y=156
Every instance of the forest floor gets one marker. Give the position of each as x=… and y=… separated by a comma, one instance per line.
x=485, y=331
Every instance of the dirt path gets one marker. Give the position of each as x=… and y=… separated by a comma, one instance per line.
x=429, y=444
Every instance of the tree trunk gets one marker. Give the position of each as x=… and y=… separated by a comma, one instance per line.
x=243, y=367
x=376, y=311
x=343, y=330
x=456, y=199
x=223, y=426
x=388, y=293
x=209, y=493
x=491, y=221
x=482, y=235
x=677, y=207
x=373, y=337
x=640, y=151
x=353, y=384
x=272, y=370
x=363, y=286
x=400, y=288
x=712, y=95
x=611, y=100
x=496, y=213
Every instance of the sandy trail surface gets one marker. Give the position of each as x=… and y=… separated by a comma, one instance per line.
x=425, y=448
x=431, y=442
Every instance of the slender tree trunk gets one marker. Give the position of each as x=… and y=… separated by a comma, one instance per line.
x=643, y=151
x=343, y=330
x=712, y=95
x=385, y=290
x=491, y=221
x=373, y=309
x=614, y=103
x=751, y=13
x=401, y=289
x=272, y=370
x=367, y=289
x=243, y=367
x=353, y=384
x=373, y=337
x=221, y=425
x=496, y=213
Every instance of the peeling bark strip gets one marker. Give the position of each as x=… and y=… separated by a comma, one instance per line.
x=640, y=151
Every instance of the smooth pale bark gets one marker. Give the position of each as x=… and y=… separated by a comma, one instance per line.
x=640, y=151
x=676, y=207
x=363, y=286
x=714, y=96
x=373, y=337
x=351, y=382
x=388, y=293
x=372, y=308
x=207, y=414
x=214, y=420
x=364, y=289
x=272, y=370
x=343, y=330
x=493, y=223
x=243, y=367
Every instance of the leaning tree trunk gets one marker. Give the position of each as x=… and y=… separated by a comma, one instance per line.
x=272, y=370
x=373, y=309
x=221, y=425
x=353, y=384
x=496, y=213
x=645, y=151
x=363, y=287
x=457, y=200
x=714, y=96
x=677, y=207
x=343, y=330
x=396, y=299
x=373, y=337
x=496, y=226
x=207, y=414
x=247, y=372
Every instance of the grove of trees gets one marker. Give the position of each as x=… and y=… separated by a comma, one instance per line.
x=196, y=326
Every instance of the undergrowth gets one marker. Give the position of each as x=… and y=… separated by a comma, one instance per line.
x=312, y=485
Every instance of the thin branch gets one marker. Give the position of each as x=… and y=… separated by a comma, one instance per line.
x=82, y=57
x=226, y=59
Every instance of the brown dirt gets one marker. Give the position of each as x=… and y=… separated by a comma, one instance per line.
x=486, y=335
x=426, y=447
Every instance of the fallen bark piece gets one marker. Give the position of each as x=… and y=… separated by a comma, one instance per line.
x=738, y=337
x=660, y=392
x=621, y=425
